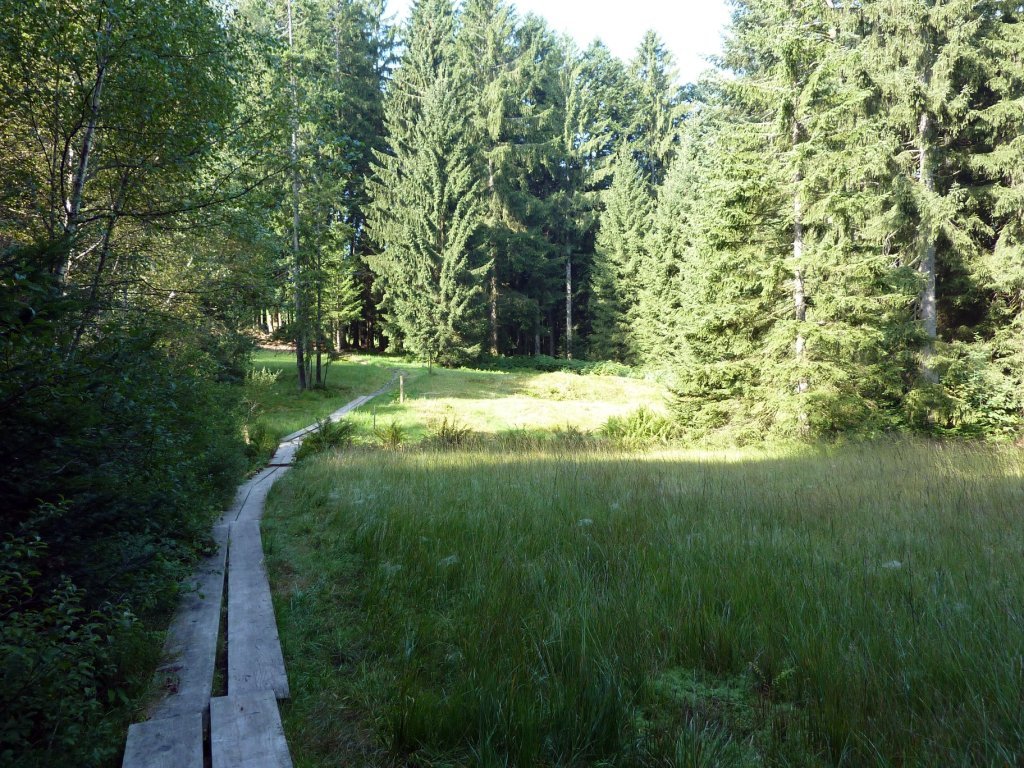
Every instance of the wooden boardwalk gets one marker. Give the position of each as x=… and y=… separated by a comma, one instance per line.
x=244, y=727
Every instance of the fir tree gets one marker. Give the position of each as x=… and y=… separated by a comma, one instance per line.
x=615, y=280
x=659, y=109
x=426, y=205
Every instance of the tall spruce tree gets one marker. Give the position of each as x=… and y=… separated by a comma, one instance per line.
x=659, y=108
x=426, y=199
x=620, y=252
x=658, y=319
x=924, y=65
x=487, y=57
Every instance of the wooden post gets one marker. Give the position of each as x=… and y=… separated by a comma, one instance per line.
x=401, y=389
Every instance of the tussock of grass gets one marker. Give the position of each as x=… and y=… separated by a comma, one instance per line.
x=851, y=606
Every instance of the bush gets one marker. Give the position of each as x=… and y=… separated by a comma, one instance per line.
x=57, y=659
x=391, y=437
x=641, y=427
x=115, y=461
x=448, y=433
x=329, y=435
x=263, y=378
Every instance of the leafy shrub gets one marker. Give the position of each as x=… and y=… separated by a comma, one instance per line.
x=263, y=378
x=448, y=433
x=259, y=442
x=641, y=427
x=329, y=435
x=115, y=461
x=57, y=656
x=391, y=436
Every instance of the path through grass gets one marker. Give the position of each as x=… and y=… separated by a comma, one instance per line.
x=277, y=408
x=848, y=606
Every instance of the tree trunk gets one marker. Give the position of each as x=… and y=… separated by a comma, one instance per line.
x=536, y=335
x=927, y=301
x=319, y=332
x=494, y=309
x=799, y=297
x=300, y=341
x=568, y=302
x=92, y=306
x=73, y=206
x=494, y=266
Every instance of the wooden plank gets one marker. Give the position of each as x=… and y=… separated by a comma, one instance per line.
x=299, y=433
x=285, y=454
x=246, y=732
x=252, y=493
x=255, y=660
x=190, y=650
x=337, y=415
x=175, y=742
x=251, y=507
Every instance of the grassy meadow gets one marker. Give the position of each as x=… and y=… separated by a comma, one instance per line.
x=562, y=602
x=519, y=403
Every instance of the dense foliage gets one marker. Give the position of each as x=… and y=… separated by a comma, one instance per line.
x=825, y=240
x=121, y=296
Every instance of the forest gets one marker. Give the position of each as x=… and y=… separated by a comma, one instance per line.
x=821, y=240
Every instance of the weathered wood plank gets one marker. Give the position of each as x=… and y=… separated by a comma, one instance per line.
x=190, y=650
x=175, y=742
x=246, y=732
x=285, y=453
x=251, y=507
x=299, y=433
x=255, y=660
x=251, y=495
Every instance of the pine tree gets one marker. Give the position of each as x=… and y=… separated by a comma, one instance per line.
x=658, y=321
x=620, y=252
x=426, y=204
x=659, y=109
x=924, y=66
x=729, y=280
x=487, y=57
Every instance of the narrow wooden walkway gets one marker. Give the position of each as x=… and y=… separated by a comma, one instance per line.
x=244, y=727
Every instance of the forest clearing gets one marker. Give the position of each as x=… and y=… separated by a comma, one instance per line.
x=602, y=383
x=572, y=601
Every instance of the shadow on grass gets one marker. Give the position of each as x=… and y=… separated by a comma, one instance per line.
x=844, y=606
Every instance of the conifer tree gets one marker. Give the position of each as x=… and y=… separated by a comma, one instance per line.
x=426, y=199
x=657, y=320
x=487, y=57
x=620, y=251
x=923, y=63
x=658, y=110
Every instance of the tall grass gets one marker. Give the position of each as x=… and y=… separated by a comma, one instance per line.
x=848, y=606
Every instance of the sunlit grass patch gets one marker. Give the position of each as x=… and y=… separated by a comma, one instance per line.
x=491, y=402
x=547, y=606
x=276, y=408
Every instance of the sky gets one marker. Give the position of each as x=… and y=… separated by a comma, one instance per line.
x=691, y=29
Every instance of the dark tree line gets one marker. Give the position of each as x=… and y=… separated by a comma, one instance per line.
x=824, y=240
